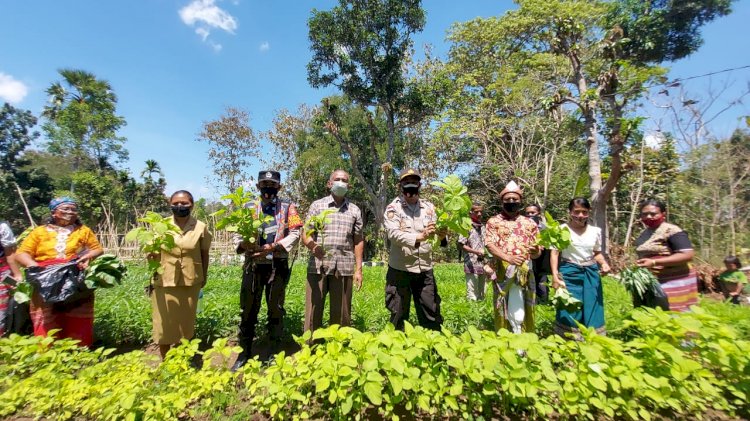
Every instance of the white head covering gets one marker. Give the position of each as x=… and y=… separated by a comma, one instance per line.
x=511, y=187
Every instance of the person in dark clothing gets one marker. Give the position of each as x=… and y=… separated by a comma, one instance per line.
x=266, y=270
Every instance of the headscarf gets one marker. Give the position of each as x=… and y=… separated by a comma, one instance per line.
x=54, y=203
x=511, y=187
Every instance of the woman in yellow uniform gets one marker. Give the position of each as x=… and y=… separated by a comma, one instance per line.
x=174, y=300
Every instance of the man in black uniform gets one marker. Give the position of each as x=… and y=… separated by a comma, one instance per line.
x=266, y=269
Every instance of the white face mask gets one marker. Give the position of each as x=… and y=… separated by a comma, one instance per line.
x=339, y=188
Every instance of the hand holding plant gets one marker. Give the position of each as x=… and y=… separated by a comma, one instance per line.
x=563, y=300
x=158, y=235
x=638, y=281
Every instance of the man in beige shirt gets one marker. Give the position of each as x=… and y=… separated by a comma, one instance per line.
x=409, y=224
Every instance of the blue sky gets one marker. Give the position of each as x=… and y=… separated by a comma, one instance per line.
x=177, y=63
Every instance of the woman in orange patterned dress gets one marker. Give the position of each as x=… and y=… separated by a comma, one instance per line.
x=62, y=239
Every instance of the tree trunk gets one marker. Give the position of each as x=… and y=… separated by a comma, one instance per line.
x=635, y=200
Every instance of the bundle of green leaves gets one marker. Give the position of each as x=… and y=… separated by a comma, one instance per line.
x=105, y=272
x=554, y=235
x=638, y=280
x=157, y=235
x=452, y=207
x=564, y=301
x=245, y=221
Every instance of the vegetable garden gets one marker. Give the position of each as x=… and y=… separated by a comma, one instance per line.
x=653, y=364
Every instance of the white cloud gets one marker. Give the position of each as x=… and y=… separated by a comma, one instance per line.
x=12, y=90
x=205, y=16
x=264, y=47
x=203, y=33
x=205, y=12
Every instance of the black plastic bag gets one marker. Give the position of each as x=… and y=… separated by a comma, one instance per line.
x=18, y=318
x=59, y=284
x=653, y=297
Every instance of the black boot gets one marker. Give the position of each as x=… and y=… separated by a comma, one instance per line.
x=243, y=358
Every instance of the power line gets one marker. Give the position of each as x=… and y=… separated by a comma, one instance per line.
x=678, y=80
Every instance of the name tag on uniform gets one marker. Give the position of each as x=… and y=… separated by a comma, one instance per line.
x=271, y=230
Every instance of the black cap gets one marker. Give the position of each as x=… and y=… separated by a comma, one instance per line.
x=269, y=175
x=407, y=172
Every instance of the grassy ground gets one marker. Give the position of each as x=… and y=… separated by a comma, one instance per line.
x=123, y=314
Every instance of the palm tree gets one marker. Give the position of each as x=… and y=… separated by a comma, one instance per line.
x=152, y=167
x=81, y=119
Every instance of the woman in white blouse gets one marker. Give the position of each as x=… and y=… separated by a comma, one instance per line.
x=577, y=268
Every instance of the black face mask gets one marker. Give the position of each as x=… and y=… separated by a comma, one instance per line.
x=512, y=207
x=410, y=191
x=269, y=192
x=536, y=218
x=180, y=211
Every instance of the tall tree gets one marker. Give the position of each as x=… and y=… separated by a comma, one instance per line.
x=23, y=191
x=361, y=47
x=232, y=143
x=81, y=120
x=152, y=167
x=595, y=68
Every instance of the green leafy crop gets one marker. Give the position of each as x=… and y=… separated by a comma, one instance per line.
x=317, y=223
x=21, y=290
x=157, y=235
x=245, y=221
x=638, y=280
x=105, y=272
x=453, y=207
x=563, y=300
x=554, y=235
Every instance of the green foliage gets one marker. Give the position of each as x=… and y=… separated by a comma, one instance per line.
x=554, y=236
x=105, y=272
x=317, y=223
x=563, y=300
x=638, y=280
x=674, y=366
x=453, y=207
x=157, y=235
x=81, y=119
x=243, y=219
x=21, y=290
x=658, y=30
x=16, y=135
x=362, y=47
x=57, y=379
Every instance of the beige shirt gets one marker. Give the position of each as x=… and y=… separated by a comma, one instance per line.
x=183, y=265
x=402, y=225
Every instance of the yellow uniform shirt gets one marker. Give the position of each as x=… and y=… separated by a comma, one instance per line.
x=183, y=265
